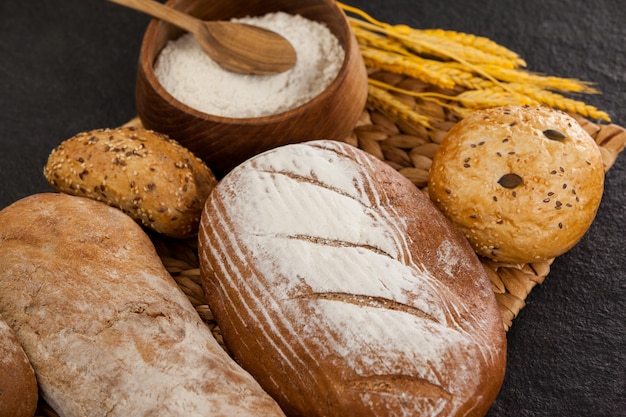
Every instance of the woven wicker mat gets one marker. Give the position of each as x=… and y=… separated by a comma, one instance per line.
x=409, y=149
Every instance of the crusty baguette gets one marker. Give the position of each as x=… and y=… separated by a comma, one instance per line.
x=18, y=387
x=345, y=292
x=106, y=328
x=146, y=174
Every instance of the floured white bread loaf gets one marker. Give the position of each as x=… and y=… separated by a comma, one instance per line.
x=344, y=292
x=18, y=387
x=106, y=328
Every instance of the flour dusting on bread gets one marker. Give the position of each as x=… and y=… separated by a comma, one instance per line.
x=106, y=327
x=312, y=248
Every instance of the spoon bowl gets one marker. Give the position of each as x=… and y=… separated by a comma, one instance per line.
x=236, y=47
x=246, y=49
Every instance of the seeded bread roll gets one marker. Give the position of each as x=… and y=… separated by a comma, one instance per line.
x=106, y=328
x=522, y=183
x=146, y=174
x=18, y=387
x=345, y=292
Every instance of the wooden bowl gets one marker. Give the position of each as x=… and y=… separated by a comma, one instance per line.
x=224, y=142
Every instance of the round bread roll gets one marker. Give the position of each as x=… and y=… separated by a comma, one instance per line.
x=522, y=183
x=18, y=386
x=343, y=290
x=146, y=174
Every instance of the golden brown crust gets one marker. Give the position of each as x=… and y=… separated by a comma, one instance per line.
x=106, y=328
x=522, y=183
x=147, y=175
x=344, y=291
x=18, y=387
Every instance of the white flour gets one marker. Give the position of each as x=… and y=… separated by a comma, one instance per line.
x=189, y=75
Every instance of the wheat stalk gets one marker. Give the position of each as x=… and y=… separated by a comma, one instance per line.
x=421, y=69
x=492, y=97
x=560, y=102
x=479, y=42
x=446, y=47
x=374, y=40
x=490, y=74
x=539, y=80
x=392, y=107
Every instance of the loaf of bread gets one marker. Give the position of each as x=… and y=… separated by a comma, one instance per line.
x=341, y=288
x=18, y=387
x=106, y=328
x=147, y=175
x=523, y=183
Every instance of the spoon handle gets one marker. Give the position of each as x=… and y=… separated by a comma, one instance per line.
x=162, y=12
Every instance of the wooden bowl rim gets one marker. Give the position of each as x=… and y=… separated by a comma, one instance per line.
x=147, y=67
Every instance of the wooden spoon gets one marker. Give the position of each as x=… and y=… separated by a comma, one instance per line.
x=237, y=47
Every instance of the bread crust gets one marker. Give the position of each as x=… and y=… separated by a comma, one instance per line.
x=107, y=330
x=522, y=183
x=146, y=174
x=18, y=387
x=344, y=291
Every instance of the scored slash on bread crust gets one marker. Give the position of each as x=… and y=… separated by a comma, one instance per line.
x=342, y=289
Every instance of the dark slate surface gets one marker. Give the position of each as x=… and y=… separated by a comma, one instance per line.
x=69, y=65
